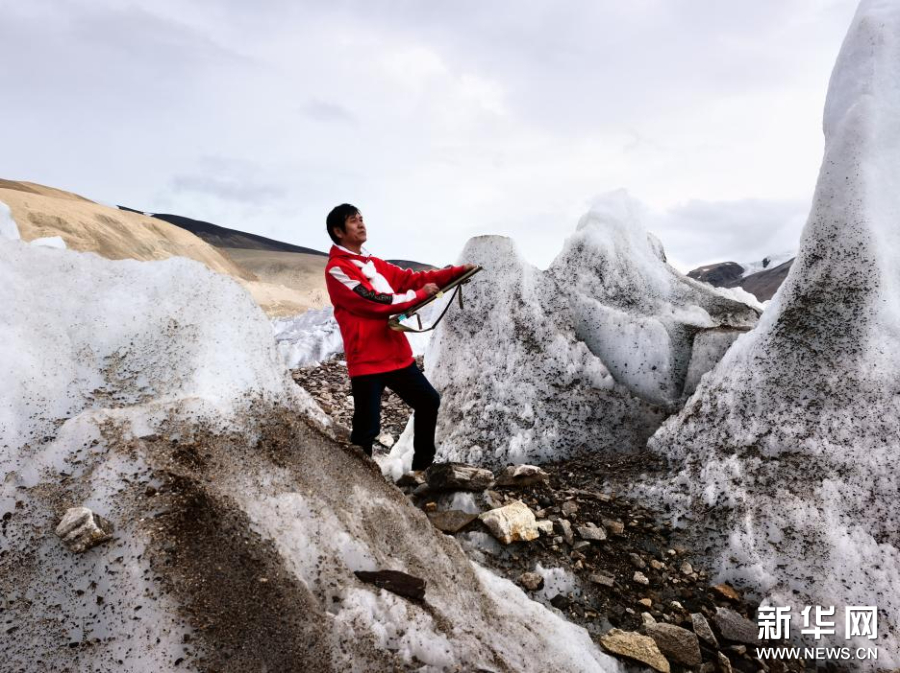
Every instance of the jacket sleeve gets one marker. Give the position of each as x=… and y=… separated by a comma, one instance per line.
x=351, y=293
x=407, y=279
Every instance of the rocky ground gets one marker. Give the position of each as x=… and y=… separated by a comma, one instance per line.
x=329, y=385
x=615, y=566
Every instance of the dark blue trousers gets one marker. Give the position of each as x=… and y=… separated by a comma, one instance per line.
x=414, y=389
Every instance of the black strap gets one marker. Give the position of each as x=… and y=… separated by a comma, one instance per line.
x=403, y=328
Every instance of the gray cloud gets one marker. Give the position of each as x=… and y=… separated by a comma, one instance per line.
x=324, y=111
x=229, y=189
x=700, y=232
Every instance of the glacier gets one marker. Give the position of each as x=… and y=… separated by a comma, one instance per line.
x=592, y=353
x=154, y=393
x=789, y=446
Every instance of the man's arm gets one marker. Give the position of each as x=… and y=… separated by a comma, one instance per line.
x=407, y=279
x=351, y=293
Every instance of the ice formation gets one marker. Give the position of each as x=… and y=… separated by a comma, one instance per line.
x=792, y=442
x=592, y=353
x=308, y=338
x=238, y=522
x=313, y=336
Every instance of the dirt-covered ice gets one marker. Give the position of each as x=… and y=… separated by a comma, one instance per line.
x=153, y=393
x=792, y=442
x=591, y=354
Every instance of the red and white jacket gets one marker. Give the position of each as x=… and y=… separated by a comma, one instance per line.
x=365, y=291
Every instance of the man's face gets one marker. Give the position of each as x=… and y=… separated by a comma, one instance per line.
x=354, y=231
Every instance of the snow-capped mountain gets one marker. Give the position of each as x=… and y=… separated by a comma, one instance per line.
x=761, y=278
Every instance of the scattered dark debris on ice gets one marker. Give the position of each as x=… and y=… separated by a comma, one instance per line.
x=634, y=582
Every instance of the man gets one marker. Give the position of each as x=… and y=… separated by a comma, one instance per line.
x=365, y=291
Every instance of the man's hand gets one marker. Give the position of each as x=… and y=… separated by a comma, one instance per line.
x=431, y=289
x=469, y=267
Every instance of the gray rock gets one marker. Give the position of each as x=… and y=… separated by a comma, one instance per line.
x=613, y=526
x=513, y=523
x=423, y=490
x=637, y=561
x=566, y=529
x=735, y=627
x=648, y=620
x=477, y=542
x=531, y=581
x=724, y=663
x=602, y=579
x=545, y=526
x=581, y=544
x=453, y=476
x=703, y=630
x=569, y=507
x=81, y=529
x=451, y=521
x=635, y=646
x=396, y=582
x=414, y=478
x=493, y=499
x=677, y=644
x=590, y=531
x=640, y=577
x=727, y=591
x=522, y=475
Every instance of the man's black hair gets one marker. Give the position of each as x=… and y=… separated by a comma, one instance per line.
x=337, y=219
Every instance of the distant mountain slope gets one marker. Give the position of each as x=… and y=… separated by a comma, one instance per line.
x=223, y=237
x=116, y=233
x=763, y=284
x=232, y=239
x=284, y=279
x=718, y=275
x=415, y=266
x=87, y=226
x=304, y=273
x=34, y=188
x=294, y=276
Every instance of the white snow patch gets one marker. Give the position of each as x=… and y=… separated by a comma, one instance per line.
x=463, y=501
x=766, y=263
x=556, y=581
x=399, y=461
x=741, y=295
x=571, y=644
x=56, y=242
x=8, y=227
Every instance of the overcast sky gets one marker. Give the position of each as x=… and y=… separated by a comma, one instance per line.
x=439, y=120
